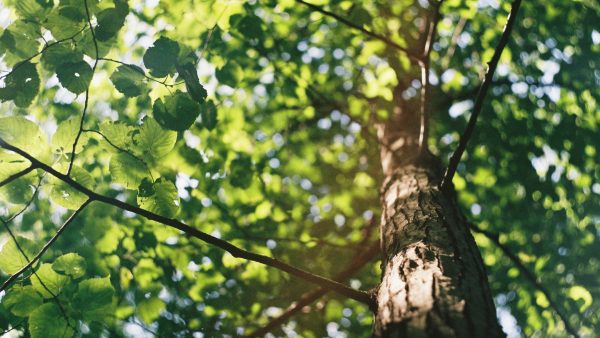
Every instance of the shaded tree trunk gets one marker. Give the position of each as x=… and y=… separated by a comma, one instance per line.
x=434, y=282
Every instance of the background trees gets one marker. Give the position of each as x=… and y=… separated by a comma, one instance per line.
x=270, y=145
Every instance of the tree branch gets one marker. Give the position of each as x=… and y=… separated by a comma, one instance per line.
x=424, y=64
x=17, y=175
x=45, y=248
x=358, y=263
x=47, y=46
x=235, y=251
x=527, y=273
x=42, y=283
x=87, y=90
x=487, y=82
x=349, y=23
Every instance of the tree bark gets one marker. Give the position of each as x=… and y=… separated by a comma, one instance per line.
x=434, y=282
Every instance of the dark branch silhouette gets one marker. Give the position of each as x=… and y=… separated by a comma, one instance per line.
x=45, y=248
x=348, y=23
x=357, y=263
x=487, y=82
x=527, y=273
x=235, y=251
x=87, y=90
x=17, y=175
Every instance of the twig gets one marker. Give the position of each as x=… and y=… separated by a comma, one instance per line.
x=42, y=283
x=235, y=251
x=360, y=261
x=527, y=273
x=349, y=23
x=35, y=192
x=120, y=149
x=424, y=64
x=134, y=67
x=45, y=248
x=87, y=90
x=464, y=139
x=50, y=45
x=17, y=175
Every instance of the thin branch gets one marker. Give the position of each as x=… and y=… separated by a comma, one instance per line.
x=42, y=283
x=35, y=192
x=424, y=64
x=487, y=82
x=349, y=23
x=235, y=251
x=46, y=47
x=527, y=273
x=134, y=67
x=357, y=263
x=87, y=90
x=453, y=42
x=120, y=149
x=45, y=248
x=17, y=175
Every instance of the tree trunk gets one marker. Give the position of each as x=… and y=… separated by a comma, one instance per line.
x=434, y=282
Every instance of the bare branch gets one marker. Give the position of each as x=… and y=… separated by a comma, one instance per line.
x=45, y=248
x=527, y=273
x=487, y=82
x=349, y=23
x=358, y=263
x=235, y=251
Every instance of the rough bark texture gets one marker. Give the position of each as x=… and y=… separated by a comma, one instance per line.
x=434, y=282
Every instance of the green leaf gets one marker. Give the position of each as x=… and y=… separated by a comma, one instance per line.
x=110, y=21
x=208, y=113
x=161, y=58
x=118, y=133
x=250, y=26
x=50, y=279
x=192, y=83
x=75, y=76
x=22, y=85
x=19, y=191
x=94, y=297
x=70, y=264
x=24, y=134
x=152, y=141
x=178, y=112
x=241, y=172
x=129, y=80
x=11, y=258
x=48, y=321
x=127, y=170
x=161, y=197
x=64, y=137
x=10, y=164
x=360, y=16
x=32, y=9
x=62, y=26
x=22, y=300
x=56, y=55
x=149, y=309
x=580, y=293
x=67, y=196
x=19, y=41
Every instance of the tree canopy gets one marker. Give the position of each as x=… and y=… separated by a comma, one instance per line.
x=211, y=168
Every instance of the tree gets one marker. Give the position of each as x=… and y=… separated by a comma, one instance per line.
x=216, y=168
